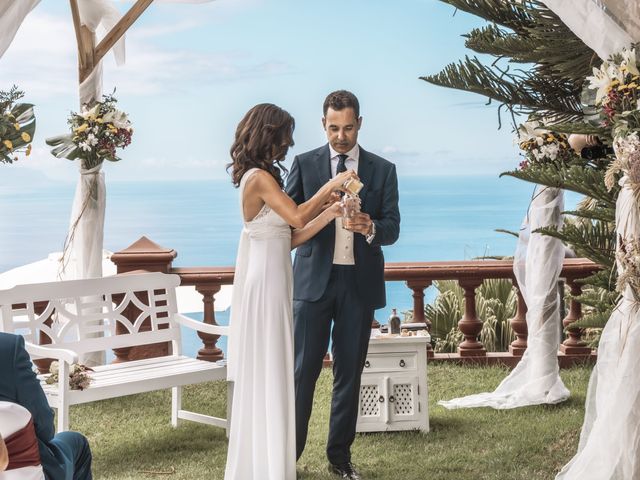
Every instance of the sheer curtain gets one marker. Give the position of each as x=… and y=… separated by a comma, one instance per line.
x=537, y=265
x=12, y=14
x=605, y=26
x=610, y=437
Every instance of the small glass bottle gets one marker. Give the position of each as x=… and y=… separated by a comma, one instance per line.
x=394, y=323
x=353, y=186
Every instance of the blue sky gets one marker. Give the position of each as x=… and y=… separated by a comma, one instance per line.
x=192, y=71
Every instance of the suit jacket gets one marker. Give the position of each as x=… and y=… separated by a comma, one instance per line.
x=314, y=259
x=18, y=384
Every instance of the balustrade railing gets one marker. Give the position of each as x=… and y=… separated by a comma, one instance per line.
x=418, y=276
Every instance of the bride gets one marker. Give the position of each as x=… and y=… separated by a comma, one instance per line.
x=260, y=350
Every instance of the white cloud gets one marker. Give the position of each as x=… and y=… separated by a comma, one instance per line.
x=42, y=57
x=42, y=61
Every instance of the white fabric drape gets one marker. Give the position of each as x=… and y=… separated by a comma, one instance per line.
x=610, y=437
x=12, y=14
x=95, y=14
x=537, y=265
x=605, y=26
x=87, y=216
x=86, y=237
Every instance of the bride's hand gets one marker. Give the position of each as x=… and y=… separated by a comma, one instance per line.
x=335, y=197
x=334, y=210
x=337, y=182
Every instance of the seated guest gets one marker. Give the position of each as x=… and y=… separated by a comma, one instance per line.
x=65, y=456
x=21, y=458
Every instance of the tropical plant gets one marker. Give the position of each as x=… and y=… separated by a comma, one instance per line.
x=496, y=302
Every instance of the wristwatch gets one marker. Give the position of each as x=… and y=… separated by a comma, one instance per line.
x=370, y=236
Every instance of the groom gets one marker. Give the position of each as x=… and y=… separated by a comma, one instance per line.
x=339, y=276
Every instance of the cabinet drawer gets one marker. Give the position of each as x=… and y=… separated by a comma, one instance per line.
x=391, y=362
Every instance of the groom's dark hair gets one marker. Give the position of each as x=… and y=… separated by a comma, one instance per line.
x=339, y=100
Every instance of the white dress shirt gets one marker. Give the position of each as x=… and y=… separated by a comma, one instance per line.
x=343, y=252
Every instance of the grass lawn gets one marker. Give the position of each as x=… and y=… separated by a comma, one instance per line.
x=131, y=437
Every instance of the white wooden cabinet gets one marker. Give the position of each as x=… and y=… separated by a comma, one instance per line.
x=393, y=390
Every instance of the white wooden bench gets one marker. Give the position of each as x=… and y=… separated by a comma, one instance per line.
x=84, y=307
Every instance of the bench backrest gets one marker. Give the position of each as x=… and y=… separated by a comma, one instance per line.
x=71, y=312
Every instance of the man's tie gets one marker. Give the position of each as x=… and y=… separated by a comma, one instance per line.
x=341, y=166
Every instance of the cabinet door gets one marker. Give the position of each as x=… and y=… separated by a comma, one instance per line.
x=372, y=408
x=404, y=399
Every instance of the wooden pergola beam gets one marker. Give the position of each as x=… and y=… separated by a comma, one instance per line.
x=75, y=14
x=119, y=29
x=89, y=55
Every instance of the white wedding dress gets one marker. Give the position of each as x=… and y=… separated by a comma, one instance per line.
x=260, y=352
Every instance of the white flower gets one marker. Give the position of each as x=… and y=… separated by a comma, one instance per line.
x=85, y=146
x=86, y=114
x=92, y=139
x=529, y=131
x=117, y=118
x=629, y=61
x=616, y=73
x=550, y=151
x=600, y=80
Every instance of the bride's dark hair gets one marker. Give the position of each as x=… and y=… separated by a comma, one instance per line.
x=263, y=138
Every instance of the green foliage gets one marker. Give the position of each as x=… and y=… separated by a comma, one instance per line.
x=537, y=67
x=581, y=177
x=496, y=302
x=591, y=239
x=522, y=33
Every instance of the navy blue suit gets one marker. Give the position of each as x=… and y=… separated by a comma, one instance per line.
x=65, y=456
x=346, y=295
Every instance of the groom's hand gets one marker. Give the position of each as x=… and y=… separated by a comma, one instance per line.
x=361, y=224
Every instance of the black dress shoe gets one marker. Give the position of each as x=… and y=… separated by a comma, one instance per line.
x=345, y=470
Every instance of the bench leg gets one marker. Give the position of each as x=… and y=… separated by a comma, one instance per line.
x=229, y=405
x=176, y=404
x=63, y=400
x=63, y=419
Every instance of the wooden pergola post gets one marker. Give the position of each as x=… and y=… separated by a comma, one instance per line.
x=90, y=54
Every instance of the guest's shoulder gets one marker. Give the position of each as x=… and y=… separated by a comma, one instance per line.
x=9, y=339
x=9, y=346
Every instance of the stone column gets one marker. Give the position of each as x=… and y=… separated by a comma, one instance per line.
x=574, y=345
x=418, y=307
x=141, y=256
x=519, y=326
x=470, y=325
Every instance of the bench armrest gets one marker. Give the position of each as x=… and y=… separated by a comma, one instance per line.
x=200, y=326
x=49, y=352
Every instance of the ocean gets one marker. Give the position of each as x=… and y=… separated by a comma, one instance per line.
x=443, y=218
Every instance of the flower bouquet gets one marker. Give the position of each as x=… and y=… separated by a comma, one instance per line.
x=617, y=86
x=79, y=378
x=541, y=145
x=17, y=125
x=96, y=133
